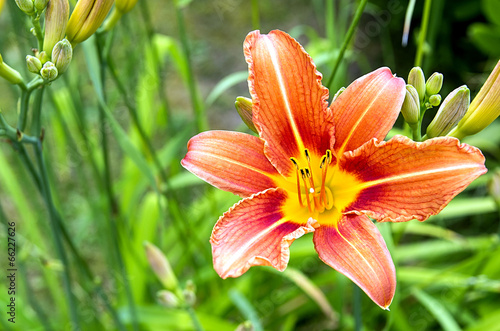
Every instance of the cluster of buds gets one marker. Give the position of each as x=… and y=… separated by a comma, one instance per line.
x=49, y=68
x=31, y=7
x=454, y=117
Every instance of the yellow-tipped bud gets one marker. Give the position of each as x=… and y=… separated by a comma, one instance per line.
x=40, y=4
x=27, y=6
x=61, y=55
x=86, y=18
x=56, y=19
x=450, y=112
x=11, y=75
x=244, y=107
x=483, y=110
x=411, y=105
x=49, y=71
x=124, y=6
x=161, y=267
x=33, y=63
x=434, y=84
x=435, y=100
x=416, y=78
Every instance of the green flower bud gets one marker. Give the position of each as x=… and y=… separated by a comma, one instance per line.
x=11, y=75
x=56, y=19
x=434, y=84
x=27, y=6
x=435, y=100
x=42, y=56
x=49, y=71
x=339, y=92
x=61, y=55
x=416, y=78
x=244, y=107
x=40, y=4
x=34, y=64
x=450, y=112
x=411, y=105
x=161, y=267
x=167, y=299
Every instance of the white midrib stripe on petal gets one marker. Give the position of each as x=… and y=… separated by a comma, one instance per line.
x=274, y=59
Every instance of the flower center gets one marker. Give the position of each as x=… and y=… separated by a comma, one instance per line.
x=312, y=190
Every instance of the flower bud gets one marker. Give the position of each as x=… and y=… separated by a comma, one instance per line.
x=244, y=107
x=40, y=4
x=483, y=110
x=435, y=100
x=61, y=55
x=124, y=6
x=56, y=19
x=416, y=78
x=87, y=16
x=434, y=84
x=42, y=56
x=450, y=112
x=161, y=267
x=49, y=71
x=11, y=75
x=34, y=64
x=411, y=105
x=167, y=299
x=27, y=6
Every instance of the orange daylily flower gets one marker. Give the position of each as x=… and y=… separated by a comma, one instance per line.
x=323, y=169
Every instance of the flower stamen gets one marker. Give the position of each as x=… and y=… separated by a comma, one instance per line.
x=303, y=173
x=296, y=164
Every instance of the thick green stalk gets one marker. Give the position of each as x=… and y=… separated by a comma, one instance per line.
x=347, y=40
x=255, y=15
x=423, y=33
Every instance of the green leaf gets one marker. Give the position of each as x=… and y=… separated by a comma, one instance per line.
x=224, y=85
x=491, y=9
x=486, y=38
x=441, y=314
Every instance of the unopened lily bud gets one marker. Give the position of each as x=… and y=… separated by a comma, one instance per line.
x=49, y=71
x=244, y=107
x=189, y=293
x=27, y=6
x=56, y=19
x=87, y=16
x=40, y=4
x=11, y=75
x=416, y=78
x=161, y=267
x=167, y=299
x=434, y=83
x=61, y=55
x=483, y=110
x=339, y=92
x=124, y=6
x=450, y=112
x=43, y=57
x=411, y=106
x=435, y=100
x=34, y=64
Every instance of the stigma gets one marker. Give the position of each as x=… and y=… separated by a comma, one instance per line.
x=311, y=179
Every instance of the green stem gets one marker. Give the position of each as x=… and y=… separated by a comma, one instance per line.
x=358, y=321
x=347, y=39
x=36, y=126
x=114, y=208
x=35, y=20
x=47, y=196
x=423, y=33
x=199, y=111
x=255, y=15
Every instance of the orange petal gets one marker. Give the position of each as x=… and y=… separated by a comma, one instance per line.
x=356, y=249
x=367, y=109
x=231, y=161
x=289, y=102
x=405, y=180
x=255, y=232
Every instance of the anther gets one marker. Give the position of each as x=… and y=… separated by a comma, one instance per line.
x=304, y=176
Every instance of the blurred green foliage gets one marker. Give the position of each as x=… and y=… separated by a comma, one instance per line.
x=113, y=146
